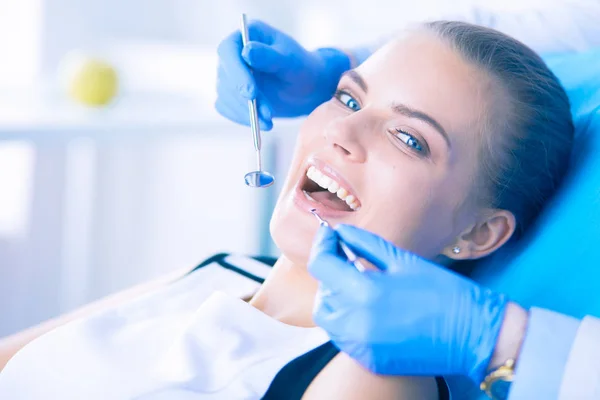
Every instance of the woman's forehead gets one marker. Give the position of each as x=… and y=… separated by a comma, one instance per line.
x=417, y=50
x=425, y=73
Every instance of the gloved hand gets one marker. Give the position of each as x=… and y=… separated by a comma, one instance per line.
x=411, y=318
x=287, y=80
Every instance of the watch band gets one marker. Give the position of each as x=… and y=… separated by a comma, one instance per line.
x=497, y=383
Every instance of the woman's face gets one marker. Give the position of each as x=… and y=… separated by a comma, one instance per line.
x=401, y=136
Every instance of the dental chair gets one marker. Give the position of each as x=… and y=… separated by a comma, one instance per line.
x=557, y=263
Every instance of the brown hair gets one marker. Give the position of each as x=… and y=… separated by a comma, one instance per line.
x=534, y=132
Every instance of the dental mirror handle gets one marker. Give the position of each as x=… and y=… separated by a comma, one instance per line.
x=254, y=126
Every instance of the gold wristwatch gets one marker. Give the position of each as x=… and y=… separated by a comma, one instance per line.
x=497, y=383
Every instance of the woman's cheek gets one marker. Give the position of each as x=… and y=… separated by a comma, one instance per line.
x=403, y=189
x=309, y=131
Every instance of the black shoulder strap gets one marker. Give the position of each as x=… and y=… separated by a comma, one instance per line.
x=442, y=386
x=293, y=379
x=220, y=259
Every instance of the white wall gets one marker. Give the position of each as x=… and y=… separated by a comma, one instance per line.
x=20, y=42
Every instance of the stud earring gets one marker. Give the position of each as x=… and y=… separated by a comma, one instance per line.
x=456, y=249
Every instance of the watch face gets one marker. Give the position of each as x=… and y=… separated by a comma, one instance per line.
x=499, y=389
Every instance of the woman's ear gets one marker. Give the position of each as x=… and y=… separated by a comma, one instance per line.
x=484, y=237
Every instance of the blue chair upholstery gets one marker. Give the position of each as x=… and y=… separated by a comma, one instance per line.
x=557, y=264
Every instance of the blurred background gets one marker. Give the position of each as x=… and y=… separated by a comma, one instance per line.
x=93, y=200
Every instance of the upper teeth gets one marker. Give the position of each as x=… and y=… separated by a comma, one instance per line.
x=333, y=186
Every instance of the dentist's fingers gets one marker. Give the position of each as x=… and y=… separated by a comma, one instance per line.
x=330, y=267
x=230, y=59
x=329, y=316
x=239, y=113
x=232, y=105
x=342, y=317
x=230, y=56
x=264, y=58
x=259, y=31
x=264, y=113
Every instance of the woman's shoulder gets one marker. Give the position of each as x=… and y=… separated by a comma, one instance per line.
x=344, y=378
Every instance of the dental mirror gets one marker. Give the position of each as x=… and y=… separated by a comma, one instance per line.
x=258, y=178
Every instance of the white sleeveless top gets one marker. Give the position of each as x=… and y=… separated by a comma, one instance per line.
x=185, y=341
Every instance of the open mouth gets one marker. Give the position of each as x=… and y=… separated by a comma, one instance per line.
x=323, y=188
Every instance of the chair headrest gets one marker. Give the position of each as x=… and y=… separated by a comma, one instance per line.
x=557, y=263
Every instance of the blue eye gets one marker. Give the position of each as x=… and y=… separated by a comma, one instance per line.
x=409, y=140
x=347, y=100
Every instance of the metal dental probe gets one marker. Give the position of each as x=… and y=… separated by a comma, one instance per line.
x=258, y=178
x=351, y=255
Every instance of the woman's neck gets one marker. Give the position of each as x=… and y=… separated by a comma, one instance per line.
x=288, y=294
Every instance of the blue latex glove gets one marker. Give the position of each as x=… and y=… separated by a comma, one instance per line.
x=287, y=80
x=411, y=318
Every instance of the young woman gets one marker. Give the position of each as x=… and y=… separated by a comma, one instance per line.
x=451, y=135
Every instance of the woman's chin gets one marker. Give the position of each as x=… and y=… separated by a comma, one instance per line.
x=293, y=235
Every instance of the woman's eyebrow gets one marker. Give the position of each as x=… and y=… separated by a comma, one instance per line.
x=401, y=108
x=352, y=74
x=412, y=113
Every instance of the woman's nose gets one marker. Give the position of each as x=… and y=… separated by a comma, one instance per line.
x=345, y=135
